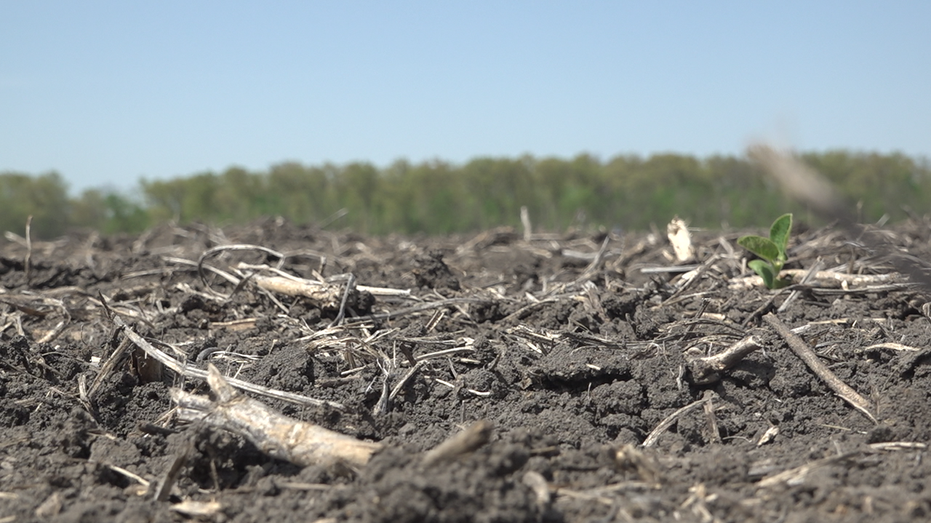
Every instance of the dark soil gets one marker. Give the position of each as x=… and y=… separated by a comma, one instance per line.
x=574, y=363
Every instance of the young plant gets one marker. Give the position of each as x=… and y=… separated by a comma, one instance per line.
x=772, y=251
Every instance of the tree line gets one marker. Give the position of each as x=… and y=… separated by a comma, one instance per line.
x=628, y=192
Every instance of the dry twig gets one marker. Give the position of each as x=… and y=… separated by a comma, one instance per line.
x=801, y=349
x=168, y=479
x=797, y=475
x=593, y=267
x=27, y=263
x=629, y=457
x=890, y=346
x=237, y=247
x=422, y=307
x=823, y=279
x=109, y=365
x=654, y=435
x=189, y=371
x=321, y=294
x=470, y=439
x=708, y=369
x=273, y=433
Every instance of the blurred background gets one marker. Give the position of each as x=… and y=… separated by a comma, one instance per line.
x=443, y=117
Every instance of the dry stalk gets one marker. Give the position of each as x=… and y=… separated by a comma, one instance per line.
x=804, y=352
x=38, y=306
x=538, y=485
x=473, y=437
x=56, y=331
x=708, y=369
x=27, y=263
x=805, y=280
x=681, y=239
x=446, y=352
x=890, y=346
x=698, y=501
x=197, y=509
x=168, y=479
x=869, y=289
x=200, y=269
x=30, y=304
x=691, y=278
x=186, y=370
x=898, y=445
x=629, y=457
x=796, y=476
x=714, y=435
x=822, y=279
x=414, y=309
x=768, y=436
x=523, y=311
x=135, y=477
x=407, y=376
x=112, y=361
x=350, y=287
x=654, y=435
x=322, y=294
x=593, y=267
x=525, y=222
x=336, y=281
x=18, y=322
x=235, y=247
x=273, y=433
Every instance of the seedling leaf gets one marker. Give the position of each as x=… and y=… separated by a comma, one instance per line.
x=765, y=270
x=779, y=233
x=772, y=251
x=762, y=247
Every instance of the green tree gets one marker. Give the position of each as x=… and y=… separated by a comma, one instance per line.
x=357, y=186
x=302, y=194
x=44, y=197
x=438, y=197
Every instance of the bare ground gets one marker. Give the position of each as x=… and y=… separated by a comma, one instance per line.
x=575, y=358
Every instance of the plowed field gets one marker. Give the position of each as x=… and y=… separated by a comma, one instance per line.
x=576, y=359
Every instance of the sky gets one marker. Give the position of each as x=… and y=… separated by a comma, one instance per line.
x=106, y=93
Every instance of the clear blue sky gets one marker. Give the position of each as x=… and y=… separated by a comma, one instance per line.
x=108, y=92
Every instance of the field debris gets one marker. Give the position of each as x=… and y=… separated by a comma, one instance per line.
x=291, y=373
x=801, y=349
x=678, y=233
x=708, y=369
x=187, y=370
x=465, y=442
x=277, y=435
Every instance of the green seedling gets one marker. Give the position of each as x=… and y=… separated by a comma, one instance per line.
x=772, y=251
